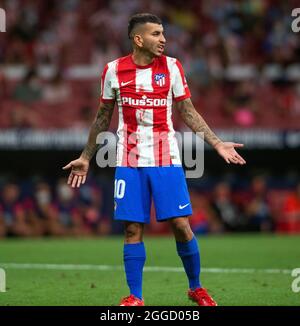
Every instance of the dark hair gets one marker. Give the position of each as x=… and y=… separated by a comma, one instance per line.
x=142, y=18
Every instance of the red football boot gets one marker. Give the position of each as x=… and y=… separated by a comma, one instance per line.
x=201, y=296
x=131, y=300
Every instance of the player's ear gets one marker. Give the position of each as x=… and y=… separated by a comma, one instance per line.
x=138, y=40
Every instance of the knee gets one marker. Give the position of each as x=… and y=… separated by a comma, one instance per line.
x=181, y=229
x=133, y=232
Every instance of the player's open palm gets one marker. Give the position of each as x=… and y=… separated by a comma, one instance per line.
x=228, y=152
x=78, y=173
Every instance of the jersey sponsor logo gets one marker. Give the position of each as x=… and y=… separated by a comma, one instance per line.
x=144, y=101
x=183, y=206
x=160, y=79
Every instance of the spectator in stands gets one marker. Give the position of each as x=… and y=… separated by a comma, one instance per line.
x=208, y=36
x=37, y=225
x=3, y=87
x=203, y=219
x=57, y=90
x=90, y=199
x=241, y=105
x=23, y=117
x=257, y=208
x=287, y=99
x=103, y=49
x=86, y=115
x=43, y=207
x=29, y=90
x=2, y=224
x=16, y=52
x=290, y=221
x=296, y=101
x=13, y=211
x=70, y=216
x=225, y=209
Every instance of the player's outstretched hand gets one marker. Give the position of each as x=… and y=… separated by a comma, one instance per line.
x=78, y=173
x=228, y=152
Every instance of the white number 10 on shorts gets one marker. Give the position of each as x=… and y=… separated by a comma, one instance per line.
x=120, y=186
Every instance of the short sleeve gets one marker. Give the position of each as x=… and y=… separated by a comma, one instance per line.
x=180, y=88
x=107, y=92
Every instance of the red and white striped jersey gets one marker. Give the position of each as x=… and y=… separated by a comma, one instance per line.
x=144, y=96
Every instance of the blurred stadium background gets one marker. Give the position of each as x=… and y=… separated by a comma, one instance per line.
x=242, y=62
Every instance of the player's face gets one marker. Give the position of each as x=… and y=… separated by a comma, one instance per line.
x=152, y=39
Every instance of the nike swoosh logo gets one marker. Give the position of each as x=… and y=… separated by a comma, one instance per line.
x=126, y=83
x=183, y=206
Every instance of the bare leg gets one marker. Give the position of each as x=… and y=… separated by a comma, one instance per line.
x=181, y=229
x=133, y=232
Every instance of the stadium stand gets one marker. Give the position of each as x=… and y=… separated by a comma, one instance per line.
x=242, y=64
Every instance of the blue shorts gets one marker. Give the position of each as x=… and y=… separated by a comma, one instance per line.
x=135, y=188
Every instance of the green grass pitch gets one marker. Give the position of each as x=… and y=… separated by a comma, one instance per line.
x=250, y=270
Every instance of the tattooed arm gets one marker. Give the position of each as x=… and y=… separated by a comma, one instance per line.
x=80, y=166
x=197, y=124
x=100, y=123
x=194, y=120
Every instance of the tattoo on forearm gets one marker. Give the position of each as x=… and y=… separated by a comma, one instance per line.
x=194, y=120
x=101, y=123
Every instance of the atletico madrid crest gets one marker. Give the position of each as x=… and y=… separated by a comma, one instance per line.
x=160, y=79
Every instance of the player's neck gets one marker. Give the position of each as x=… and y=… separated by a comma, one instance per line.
x=141, y=58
